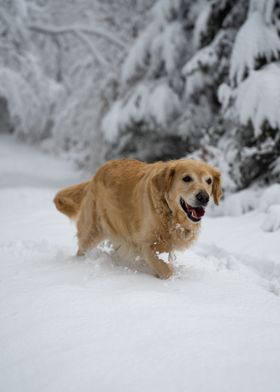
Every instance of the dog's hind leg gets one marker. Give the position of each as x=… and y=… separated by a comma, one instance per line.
x=88, y=241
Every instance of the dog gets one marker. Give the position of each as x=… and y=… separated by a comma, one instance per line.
x=152, y=208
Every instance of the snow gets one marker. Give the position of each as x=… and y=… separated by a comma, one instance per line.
x=196, y=79
x=224, y=95
x=97, y=325
x=135, y=61
x=160, y=44
x=30, y=102
x=239, y=203
x=164, y=104
x=272, y=219
x=157, y=105
x=266, y=201
x=270, y=196
x=264, y=7
x=258, y=98
x=200, y=26
x=256, y=39
x=168, y=45
x=216, y=157
x=157, y=52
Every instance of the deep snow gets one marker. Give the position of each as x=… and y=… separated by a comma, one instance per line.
x=92, y=325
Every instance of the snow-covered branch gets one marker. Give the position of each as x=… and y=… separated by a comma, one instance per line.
x=96, y=53
x=49, y=29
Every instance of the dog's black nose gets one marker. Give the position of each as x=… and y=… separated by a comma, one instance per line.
x=202, y=197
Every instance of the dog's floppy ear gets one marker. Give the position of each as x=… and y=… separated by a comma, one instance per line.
x=162, y=180
x=217, y=191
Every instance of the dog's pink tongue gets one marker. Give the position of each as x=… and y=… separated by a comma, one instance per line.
x=200, y=212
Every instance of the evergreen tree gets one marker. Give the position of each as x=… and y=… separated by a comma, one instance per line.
x=203, y=79
x=251, y=98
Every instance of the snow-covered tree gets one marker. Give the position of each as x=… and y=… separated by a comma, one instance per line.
x=141, y=120
x=168, y=85
x=89, y=46
x=58, y=65
x=151, y=79
x=26, y=92
x=202, y=78
x=251, y=98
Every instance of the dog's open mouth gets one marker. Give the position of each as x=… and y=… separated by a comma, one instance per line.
x=193, y=213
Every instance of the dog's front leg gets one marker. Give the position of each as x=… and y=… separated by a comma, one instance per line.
x=161, y=269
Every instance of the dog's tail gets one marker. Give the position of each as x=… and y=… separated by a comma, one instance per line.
x=68, y=200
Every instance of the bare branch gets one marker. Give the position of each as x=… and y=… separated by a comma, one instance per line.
x=103, y=33
x=96, y=53
x=49, y=29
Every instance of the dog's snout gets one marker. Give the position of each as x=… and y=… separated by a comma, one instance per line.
x=202, y=197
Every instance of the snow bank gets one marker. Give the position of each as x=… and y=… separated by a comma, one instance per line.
x=240, y=203
x=260, y=199
x=263, y=200
x=269, y=197
x=272, y=219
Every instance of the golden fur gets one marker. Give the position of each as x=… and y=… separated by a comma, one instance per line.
x=136, y=205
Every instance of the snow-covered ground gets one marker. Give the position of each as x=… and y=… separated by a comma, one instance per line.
x=92, y=325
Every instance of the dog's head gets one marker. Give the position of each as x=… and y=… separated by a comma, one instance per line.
x=187, y=186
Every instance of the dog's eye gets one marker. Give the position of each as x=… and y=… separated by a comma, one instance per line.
x=209, y=181
x=187, y=179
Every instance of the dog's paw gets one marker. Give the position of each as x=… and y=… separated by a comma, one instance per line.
x=165, y=271
x=80, y=253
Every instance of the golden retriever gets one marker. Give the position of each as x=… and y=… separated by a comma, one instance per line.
x=150, y=208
